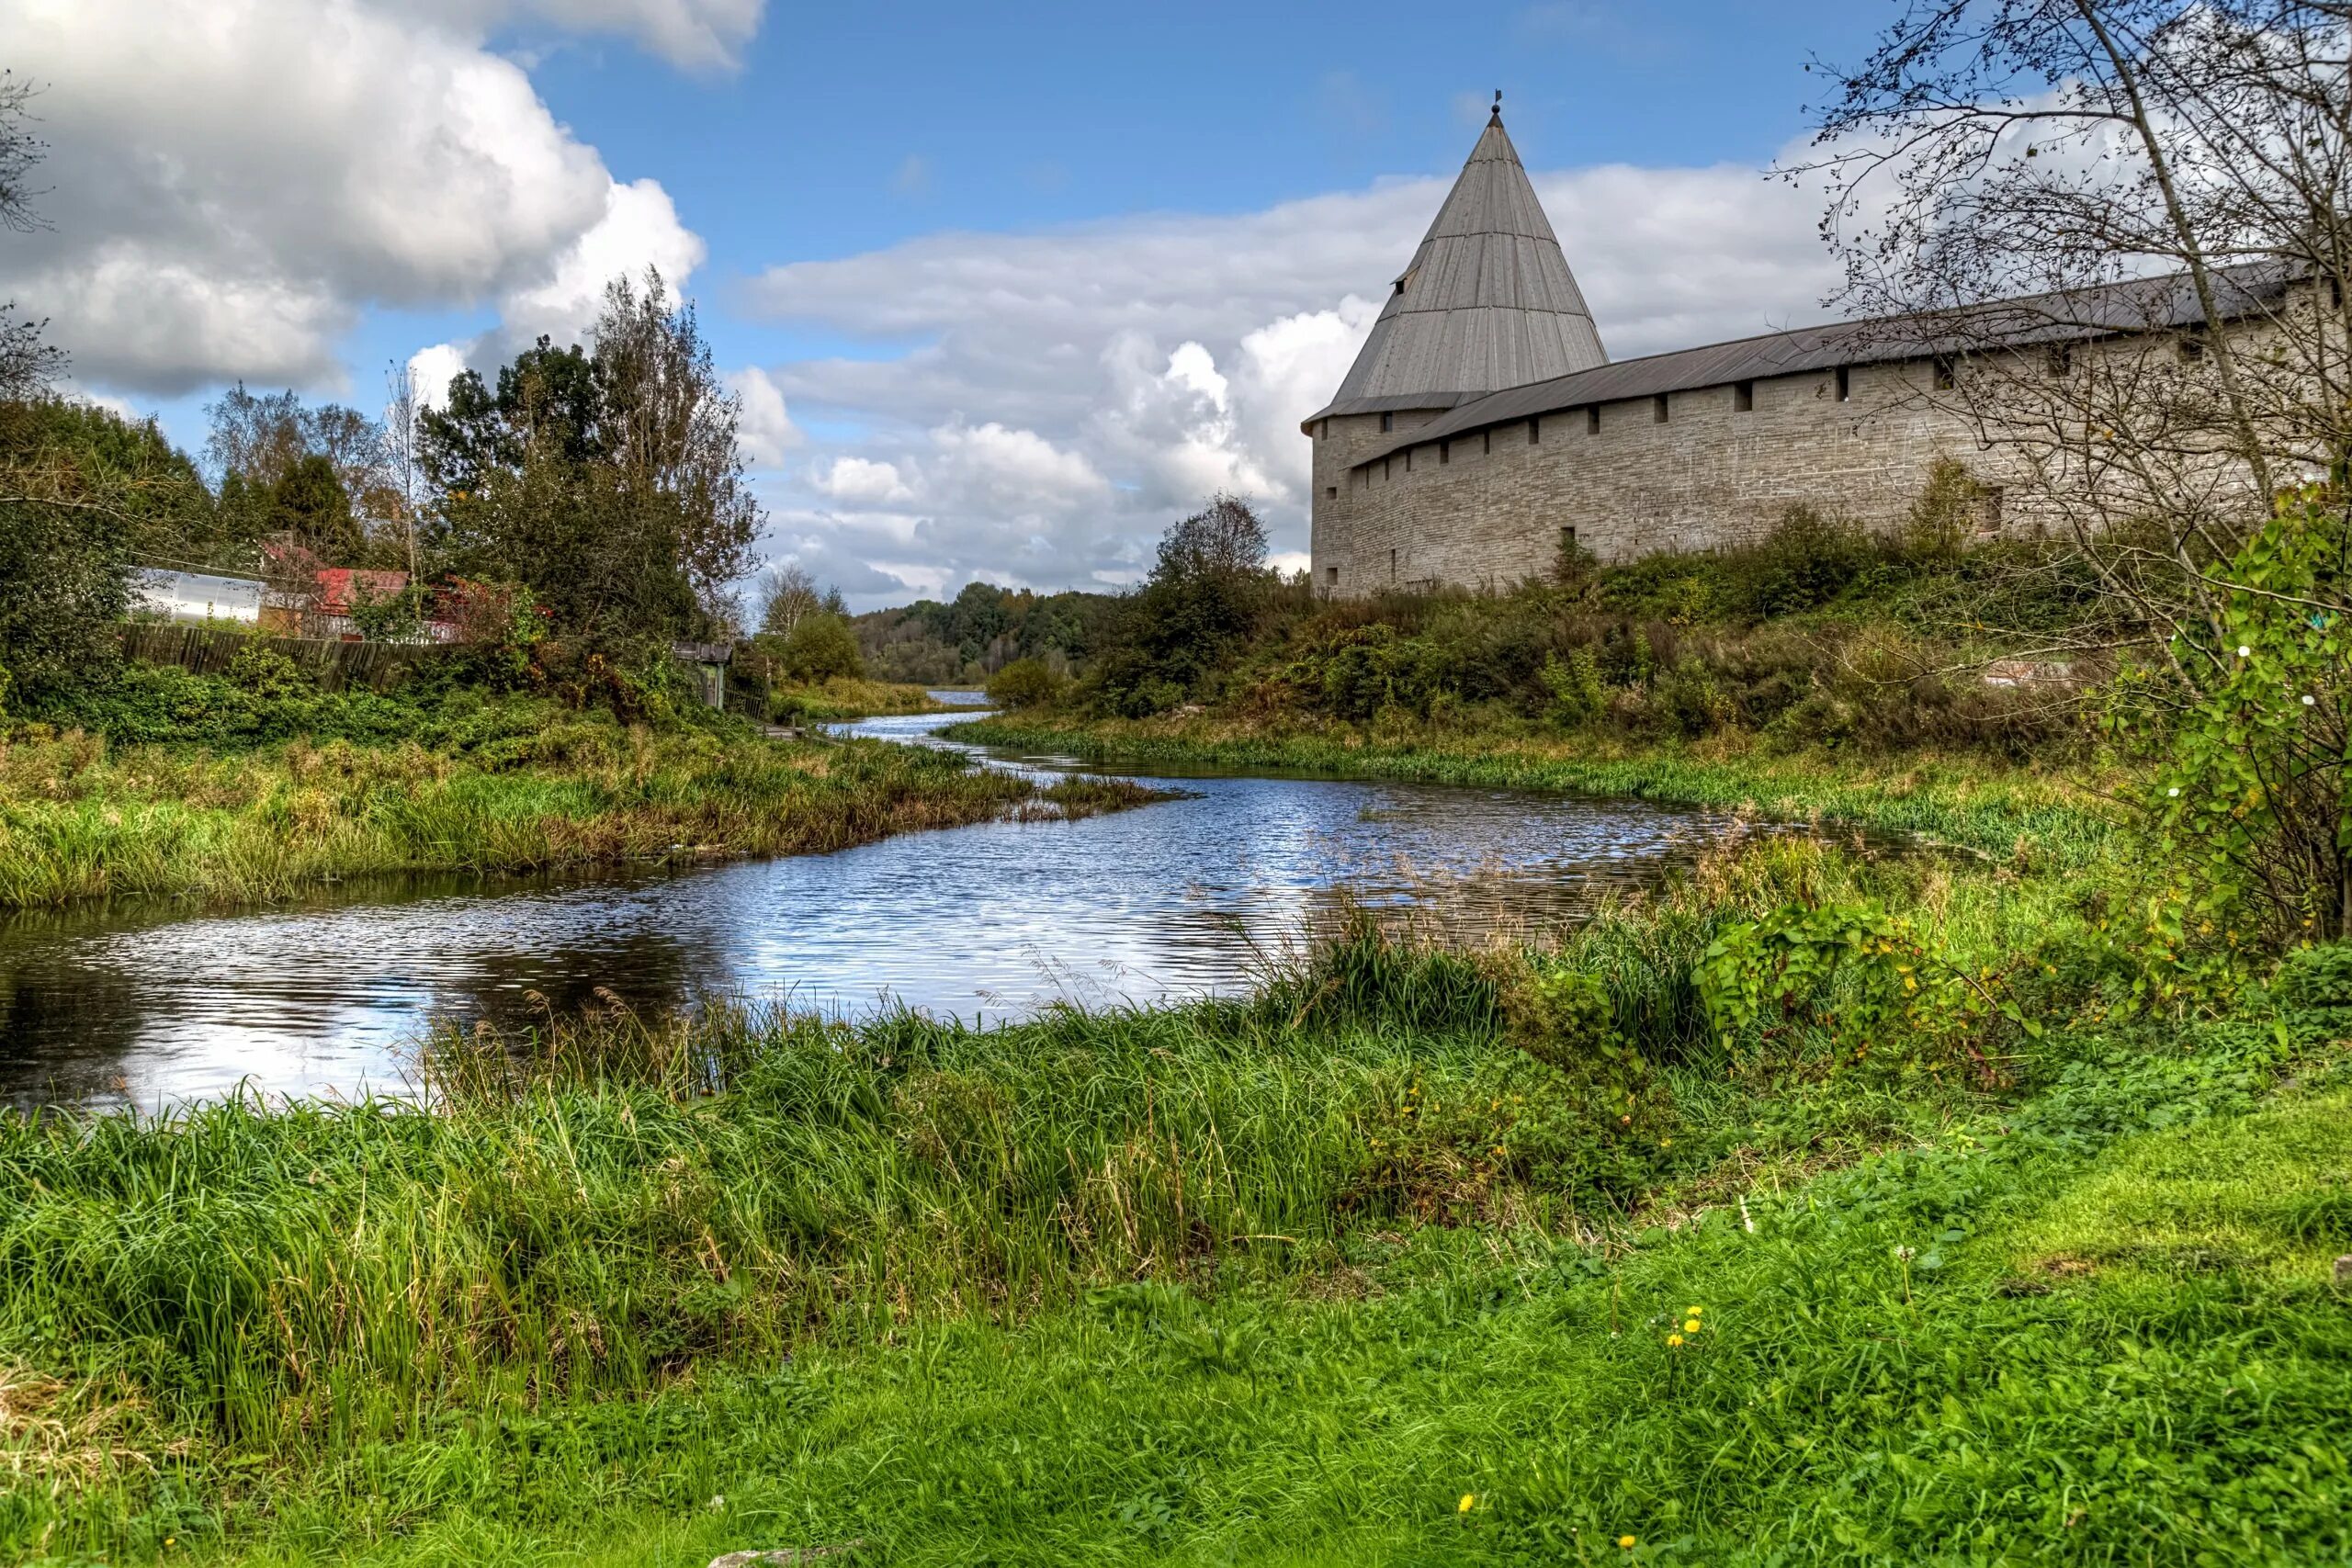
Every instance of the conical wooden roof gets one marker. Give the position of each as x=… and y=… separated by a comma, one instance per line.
x=1488, y=303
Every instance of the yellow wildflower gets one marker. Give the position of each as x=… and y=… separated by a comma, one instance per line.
x=1692, y=1312
x=1469, y=1501
x=1673, y=1339
x=1626, y=1541
x=1691, y=1325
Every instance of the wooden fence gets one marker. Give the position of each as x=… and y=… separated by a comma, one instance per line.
x=335, y=665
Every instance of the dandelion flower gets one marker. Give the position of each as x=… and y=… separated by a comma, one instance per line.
x=1626, y=1541
x=1469, y=1501
x=1673, y=1339
x=1691, y=1325
x=1692, y=1312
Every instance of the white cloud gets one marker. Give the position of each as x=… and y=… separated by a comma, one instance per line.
x=766, y=427
x=233, y=182
x=432, y=369
x=694, y=33
x=863, y=482
x=638, y=228
x=1163, y=357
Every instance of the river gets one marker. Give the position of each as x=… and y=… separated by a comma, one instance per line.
x=149, y=1004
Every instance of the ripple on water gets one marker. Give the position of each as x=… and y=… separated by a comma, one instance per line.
x=148, y=1005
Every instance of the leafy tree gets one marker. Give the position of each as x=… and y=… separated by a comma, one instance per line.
x=28, y=365
x=262, y=441
x=788, y=594
x=309, y=502
x=820, y=647
x=2254, y=796
x=1199, y=604
x=609, y=480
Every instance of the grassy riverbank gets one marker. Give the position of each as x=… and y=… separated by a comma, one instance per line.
x=1380, y=1266
x=845, y=698
x=241, y=797
x=1967, y=800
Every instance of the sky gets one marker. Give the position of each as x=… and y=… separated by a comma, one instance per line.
x=1004, y=290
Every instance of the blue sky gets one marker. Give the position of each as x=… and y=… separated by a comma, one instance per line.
x=1003, y=290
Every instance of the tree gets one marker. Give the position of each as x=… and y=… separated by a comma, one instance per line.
x=788, y=594
x=670, y=425
x=609, y=480
x=79, y=488
x=1223, y=539
x=317, y=472
x=2129, y=225
x=1201, y=600
x=820, y=647
x=308, y=502
x=28, y=365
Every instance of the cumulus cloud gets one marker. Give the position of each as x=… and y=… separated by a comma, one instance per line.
x=1165, y=356
x=764, y=427
x=233, y=182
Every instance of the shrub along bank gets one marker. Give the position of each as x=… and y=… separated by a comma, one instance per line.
x=1730, y=1230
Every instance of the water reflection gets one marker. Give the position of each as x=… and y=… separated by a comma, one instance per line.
x=151, y=1006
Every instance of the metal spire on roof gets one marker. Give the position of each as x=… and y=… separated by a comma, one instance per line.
x=1487, y=301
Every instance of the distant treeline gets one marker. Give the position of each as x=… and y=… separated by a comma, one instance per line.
x=980, y=631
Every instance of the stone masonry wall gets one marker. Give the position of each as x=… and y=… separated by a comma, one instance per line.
x=1491, y=511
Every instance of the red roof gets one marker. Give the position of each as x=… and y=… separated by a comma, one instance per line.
x=335, y=585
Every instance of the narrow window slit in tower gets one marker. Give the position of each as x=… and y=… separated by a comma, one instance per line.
x=1490, y=441
x=1534, y=431
x=1592, y=420
x=1845, y=385
x=2062, y=359
x=1392, y=565
x=1742, y=397
x=1658, y=409
x=1943, y=369
x=1387, y=423
x=1331, y=492
x=1445, y=451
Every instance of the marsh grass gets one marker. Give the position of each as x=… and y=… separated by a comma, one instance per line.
x=838, y=699
x=80, y=819
x=2036, y=820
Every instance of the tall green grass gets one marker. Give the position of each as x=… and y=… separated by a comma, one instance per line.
x=2036, y=818
x=80, y=819
x=1278, y=1278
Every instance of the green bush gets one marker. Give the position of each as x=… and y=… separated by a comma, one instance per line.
x=1025, y=682
x=1806, y=561
x=821, y=648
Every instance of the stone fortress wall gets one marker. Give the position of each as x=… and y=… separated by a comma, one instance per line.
x=1488, y=509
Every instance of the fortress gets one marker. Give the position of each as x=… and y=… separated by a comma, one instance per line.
x=1482, y=426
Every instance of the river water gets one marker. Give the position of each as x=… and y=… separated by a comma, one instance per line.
x=149, y=1005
